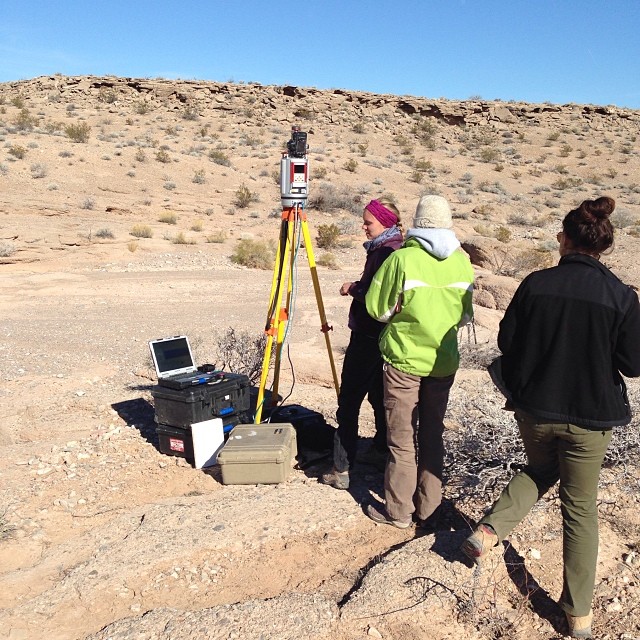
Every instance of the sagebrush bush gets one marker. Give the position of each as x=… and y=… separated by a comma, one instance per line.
x=254, y=253
x=78, y=132
x=105, y=234
x=141, y=231
x=328, y=235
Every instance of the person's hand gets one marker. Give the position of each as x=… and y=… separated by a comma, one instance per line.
x=344, y=289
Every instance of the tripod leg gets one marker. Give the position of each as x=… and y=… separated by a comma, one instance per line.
x=316, y=287
x=274, y=318
x=284, y=312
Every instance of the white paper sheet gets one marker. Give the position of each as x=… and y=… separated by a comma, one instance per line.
x=208, y=439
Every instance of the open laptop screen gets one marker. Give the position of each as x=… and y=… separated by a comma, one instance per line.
x=172, y=355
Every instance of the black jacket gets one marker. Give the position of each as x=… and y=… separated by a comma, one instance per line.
x=359, y=320
x=566, y=337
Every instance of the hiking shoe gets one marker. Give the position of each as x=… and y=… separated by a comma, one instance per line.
x=580, y=626
x=480, y=543
x=434, y=522
x=336, y=479
x=373, y=457
x=380, y=516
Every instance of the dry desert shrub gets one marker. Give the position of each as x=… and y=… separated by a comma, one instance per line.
x=240, y=352
x=328, y=235
x=163, y=156
x=142, y=107
x=199, y=177
x=168, y=218
x=6, y=249
x=38, y=170
x=327, y=197
x=244, y=197
x=484, y=448
x=132, y=245
x=105, y=234
x=78, y=132
x=6, y=529
x=17, y=151
x=218, y=237
x=328, y=260
x=318, y=172
x=181, y=238
x=25, y=121
x=141, y=231
x=254, y=253
x=350, y=165
x=219, y=157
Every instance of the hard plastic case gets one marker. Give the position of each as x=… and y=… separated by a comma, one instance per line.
x=258, y=454
x=182, y=407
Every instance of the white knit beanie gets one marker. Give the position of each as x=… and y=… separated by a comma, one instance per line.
x=432, y=212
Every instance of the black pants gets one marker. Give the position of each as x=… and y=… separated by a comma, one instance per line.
x=361, y=376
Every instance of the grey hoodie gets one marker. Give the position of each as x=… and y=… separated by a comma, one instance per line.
x=440, y=243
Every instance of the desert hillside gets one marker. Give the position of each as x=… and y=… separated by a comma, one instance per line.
x=133, y=209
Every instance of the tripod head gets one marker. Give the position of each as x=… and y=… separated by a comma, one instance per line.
x=294, y=171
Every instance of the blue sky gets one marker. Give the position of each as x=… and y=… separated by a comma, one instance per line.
x=583, y=51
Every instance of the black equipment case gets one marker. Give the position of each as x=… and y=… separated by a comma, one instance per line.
x=178, y=441
x=227, y=395
x=312, y=431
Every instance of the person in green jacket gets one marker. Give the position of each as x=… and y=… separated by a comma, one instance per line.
x=423, y=293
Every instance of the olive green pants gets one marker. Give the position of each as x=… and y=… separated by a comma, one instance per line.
x=573, y=455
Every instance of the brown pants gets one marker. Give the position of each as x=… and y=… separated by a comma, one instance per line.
x=415, y=409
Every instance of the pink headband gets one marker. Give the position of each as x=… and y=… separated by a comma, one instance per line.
x=384, y=216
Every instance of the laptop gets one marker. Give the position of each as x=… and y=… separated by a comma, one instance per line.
x=175, y=368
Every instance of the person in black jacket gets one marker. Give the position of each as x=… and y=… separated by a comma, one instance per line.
x=568, y=336
x=362, y=367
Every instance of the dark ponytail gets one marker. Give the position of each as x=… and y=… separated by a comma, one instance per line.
x=588, y=227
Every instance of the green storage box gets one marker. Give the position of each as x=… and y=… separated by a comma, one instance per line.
x=258, y=454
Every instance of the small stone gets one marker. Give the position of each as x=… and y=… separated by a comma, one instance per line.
x=373, y=632
x=535, y=554
x=80, y=393
x=614, y=606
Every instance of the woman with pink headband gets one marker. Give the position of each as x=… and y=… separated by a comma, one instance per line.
x=362, y=367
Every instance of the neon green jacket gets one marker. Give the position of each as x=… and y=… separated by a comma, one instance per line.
x=423, y=299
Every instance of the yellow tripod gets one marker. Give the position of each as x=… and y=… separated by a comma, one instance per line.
x=294, y=222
